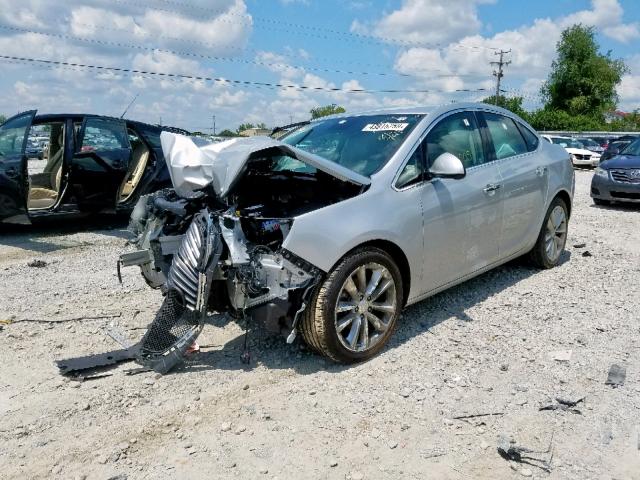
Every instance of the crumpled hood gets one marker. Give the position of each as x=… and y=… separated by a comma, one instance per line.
x=192, y=167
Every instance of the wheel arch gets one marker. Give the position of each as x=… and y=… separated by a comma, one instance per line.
x=397, y=255
x=566, y=198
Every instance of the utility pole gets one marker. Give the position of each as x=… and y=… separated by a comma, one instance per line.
x=500, y=73
x=213, y=117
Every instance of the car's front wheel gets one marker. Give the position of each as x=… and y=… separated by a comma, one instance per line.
x=354, y=311
x=553, y=236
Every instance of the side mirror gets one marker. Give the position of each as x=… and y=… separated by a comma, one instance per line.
x=447, y=165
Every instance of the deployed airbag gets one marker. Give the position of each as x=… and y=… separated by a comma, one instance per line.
x=192, y=167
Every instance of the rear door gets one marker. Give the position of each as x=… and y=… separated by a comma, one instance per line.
x=14, y=185
x=525, y=179
x=100, y=162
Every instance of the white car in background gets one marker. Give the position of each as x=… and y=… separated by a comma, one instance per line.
x=580, y=157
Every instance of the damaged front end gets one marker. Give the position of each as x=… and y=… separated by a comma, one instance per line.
x=213, y=244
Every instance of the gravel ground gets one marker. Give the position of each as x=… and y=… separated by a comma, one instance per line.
x=504, y=344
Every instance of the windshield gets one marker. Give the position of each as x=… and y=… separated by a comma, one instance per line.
x=363, y=144
x=589, y=143
x=632, y=149
x=567, y=142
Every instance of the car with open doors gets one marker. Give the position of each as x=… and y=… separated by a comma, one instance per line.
x=331, y=230
x=66, y=164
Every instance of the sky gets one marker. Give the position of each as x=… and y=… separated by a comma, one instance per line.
x=230, y=55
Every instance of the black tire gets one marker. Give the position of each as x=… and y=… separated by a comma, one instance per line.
x=599, y=201
x=319, y=325
x=538, y=255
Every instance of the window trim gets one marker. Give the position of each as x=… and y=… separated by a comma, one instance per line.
x=490, y=138
x=423, y=162
x=425, y=178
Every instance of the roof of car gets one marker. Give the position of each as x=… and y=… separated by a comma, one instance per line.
x=426, y=110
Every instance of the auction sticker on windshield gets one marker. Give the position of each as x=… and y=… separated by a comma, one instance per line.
x=385, y=127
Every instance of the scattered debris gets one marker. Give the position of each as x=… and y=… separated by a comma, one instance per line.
x=475, y=415
x=617, y=375
x=509, y=450
x=65, y=320
x=118, y=336
x=75, y=365
x=36, y=263
x=564, y=404
x=580, y=245
x=587, y=253
x=562, y=355
x=433, y=453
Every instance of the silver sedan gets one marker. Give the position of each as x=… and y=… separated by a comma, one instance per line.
x=331, y=230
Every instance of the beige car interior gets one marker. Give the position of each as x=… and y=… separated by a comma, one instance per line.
x=137, y=166
x=44, y=186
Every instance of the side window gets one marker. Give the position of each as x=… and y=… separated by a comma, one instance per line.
x=412, y=171
x=506, y=137
x=457, y=134
x=104, y=135
x=530, y=138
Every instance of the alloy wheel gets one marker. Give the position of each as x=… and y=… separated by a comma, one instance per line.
x=365, y=307
x=556, y=233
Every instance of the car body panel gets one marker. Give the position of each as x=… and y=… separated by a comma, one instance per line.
x=13, y=167
x=462, y=228
x=622, y=183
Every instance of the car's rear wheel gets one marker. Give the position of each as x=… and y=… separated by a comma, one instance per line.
x=553, y=236
x=354, y=311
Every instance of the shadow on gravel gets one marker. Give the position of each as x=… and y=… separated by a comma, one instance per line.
x=41, y=237
x=272, y=352
x=620, y=207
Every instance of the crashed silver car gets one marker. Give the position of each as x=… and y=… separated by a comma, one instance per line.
x=330, y=231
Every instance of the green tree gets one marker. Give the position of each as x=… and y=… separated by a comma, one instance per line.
x=3, y=119
x=244, y=126
x=513, y=104
x=227, y=133
x=582, y=81
x=326, y=110
x=262, y=125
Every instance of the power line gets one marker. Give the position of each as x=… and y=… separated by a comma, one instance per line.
x=500, y=73
x=347, y=36
x=227, y=81
x=63, y=36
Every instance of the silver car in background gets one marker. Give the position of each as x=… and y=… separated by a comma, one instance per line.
x=333, y=229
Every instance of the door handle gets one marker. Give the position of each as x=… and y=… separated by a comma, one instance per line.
x=540, y=171
x=491, y=187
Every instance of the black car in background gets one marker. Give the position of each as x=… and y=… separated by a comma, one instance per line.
x=614, y=148
x=618, y=179
x=88, y=164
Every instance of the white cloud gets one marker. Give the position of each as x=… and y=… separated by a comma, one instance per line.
x=428, y=21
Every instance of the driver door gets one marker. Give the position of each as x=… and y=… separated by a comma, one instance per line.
x=100, y=162
x=14, y=185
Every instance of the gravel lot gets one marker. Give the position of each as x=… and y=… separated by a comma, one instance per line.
x=489, y=346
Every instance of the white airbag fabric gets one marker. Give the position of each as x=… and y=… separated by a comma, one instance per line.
x=192, y=167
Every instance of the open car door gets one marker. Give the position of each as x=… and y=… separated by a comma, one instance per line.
x=14, y=181
x=100, y=162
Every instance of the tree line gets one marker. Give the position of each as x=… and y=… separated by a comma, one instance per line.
x=580, y=91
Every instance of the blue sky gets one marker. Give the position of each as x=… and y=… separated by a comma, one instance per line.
x=432, y=51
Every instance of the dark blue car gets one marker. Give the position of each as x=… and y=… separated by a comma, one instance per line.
x=618, y=179
x=91, y=164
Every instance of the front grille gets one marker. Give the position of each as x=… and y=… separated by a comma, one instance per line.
x=172, y=322
x=626, y=176
x=184, y=275
x=628, y=195
x=580, y=156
